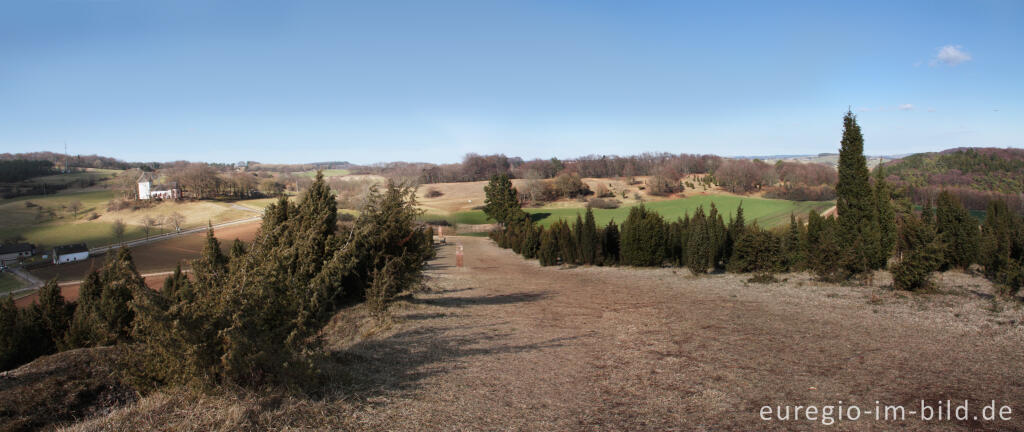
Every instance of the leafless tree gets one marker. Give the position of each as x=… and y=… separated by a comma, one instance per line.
x=75, y=207
x=175, y=220
x=148, y=223
x=119, y=228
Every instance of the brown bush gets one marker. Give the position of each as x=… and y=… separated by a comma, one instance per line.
x=603, y=203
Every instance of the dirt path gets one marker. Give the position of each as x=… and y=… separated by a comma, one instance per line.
x=504, y=344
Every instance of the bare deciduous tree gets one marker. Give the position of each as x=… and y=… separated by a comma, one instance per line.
x=118, y=229
x=75, y=207
x=148, y=223
x=175, y=220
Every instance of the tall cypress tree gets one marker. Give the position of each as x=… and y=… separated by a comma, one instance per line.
x=698, y=246
x=793, y=249
x=577, y=236
x=589, y=241
x=886, y=216
x=858, y=223
x=736, y=228
x=610, y=243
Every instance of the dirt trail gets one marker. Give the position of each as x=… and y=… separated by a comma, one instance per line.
x=506, y=344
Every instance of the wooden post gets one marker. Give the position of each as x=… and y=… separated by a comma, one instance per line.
x=458, y=255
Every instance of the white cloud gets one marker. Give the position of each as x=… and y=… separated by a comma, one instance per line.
x=905, y=107
x=950, y=55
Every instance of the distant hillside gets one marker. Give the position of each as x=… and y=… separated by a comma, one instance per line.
x=974, y=174
x=984, y=169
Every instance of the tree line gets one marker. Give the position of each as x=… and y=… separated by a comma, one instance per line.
x=873, y=230
x=250, y=317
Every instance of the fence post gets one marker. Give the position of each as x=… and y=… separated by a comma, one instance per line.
x=458, y=255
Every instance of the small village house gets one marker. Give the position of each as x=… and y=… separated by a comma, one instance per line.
x=147, y=190
x=15, y=251
x=70, y=253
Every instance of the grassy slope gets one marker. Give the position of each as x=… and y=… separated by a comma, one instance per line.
x=9, y=282
x=19, y=220
x=767, y=212
x=327, y=173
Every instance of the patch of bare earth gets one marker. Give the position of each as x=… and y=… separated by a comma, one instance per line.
x=504, y=344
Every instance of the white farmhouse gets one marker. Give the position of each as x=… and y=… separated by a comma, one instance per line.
x=70, y=253
x=148, y=191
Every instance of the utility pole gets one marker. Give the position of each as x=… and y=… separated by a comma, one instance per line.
x=66, y=157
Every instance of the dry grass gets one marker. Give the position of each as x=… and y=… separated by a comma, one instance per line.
x=504, y=344
x=61, y=388
x=465, y=196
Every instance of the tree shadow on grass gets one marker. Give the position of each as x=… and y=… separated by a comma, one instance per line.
x=498, y=299
x=402, y=362
x=538, y=216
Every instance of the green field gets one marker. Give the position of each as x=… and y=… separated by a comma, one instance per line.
x=767, y=212
x=98, y=175
x=327, y=173
x=92, y=233
x=37, y=225
x=9, y=282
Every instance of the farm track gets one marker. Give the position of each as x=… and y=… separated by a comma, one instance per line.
x=504, y=344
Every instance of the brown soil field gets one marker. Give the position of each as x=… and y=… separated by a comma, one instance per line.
x=504, y=344
x=154, y=257
x=70, y=290
x=159, y=257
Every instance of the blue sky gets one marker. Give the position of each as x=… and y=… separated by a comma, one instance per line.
x=377, y=81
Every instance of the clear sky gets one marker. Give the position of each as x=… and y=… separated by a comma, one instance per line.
x=369, y=81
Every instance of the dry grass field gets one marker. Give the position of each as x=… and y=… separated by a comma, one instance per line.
x=504, y=344
x=465, y=196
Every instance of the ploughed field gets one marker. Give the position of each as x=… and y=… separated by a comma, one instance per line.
x=504, y=344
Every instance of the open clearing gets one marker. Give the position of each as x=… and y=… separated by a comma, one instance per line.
x=767, y=212
x=504, y=344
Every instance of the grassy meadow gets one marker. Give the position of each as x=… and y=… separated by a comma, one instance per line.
x=767, y=212
x=47, y=221
x=9, y=282
x=327, y=173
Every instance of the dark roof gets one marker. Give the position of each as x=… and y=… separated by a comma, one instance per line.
x=17, y=247
x=70, y=249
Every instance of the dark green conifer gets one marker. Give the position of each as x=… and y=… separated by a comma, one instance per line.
x=958, y=231
x=858, y=222
x=923, y=254
x=610, y=243
x=698, y=246
x=886, y=214
x=501, y=200
x=643, y=238
x=547, y=254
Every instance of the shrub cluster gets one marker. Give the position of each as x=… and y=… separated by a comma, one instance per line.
x=248, y=318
